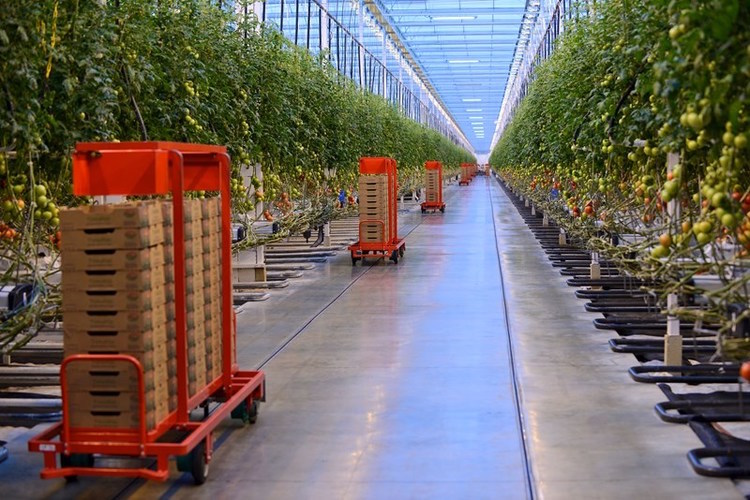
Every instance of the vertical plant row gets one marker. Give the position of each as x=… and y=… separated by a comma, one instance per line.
x=630, y=87
x=186, y=70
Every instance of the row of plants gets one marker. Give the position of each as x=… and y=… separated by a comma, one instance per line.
x=177, y=70
x=638, y=125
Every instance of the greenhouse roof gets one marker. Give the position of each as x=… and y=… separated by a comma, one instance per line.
x=464, y=48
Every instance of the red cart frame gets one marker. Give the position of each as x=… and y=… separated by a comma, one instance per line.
x=468, y=170
x=439, y=204
x=154, y=168
x=390, y=245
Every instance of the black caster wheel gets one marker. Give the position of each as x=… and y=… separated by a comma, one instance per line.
x=394, y=256
x=247, y=413
x=401, y=251
x=76, y=460
x=354, y=261
x=195, y=463
x=442, y=210
x=424, y=211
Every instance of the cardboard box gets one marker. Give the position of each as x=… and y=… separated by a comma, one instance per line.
x=211, y=207
x=89, y=375
x=197, y=370
x=114, y=400
x=171, y=329
x=172, y=375
x=114, y=300
x=195, y=302
x=125, y=321
x=109, y=260
x=193, y=248
x=373, y=232
x=149, y=360
x=212, y=277
x=167, y=211
x=74, y=281
x=169, y=293
x=82, y=340
x=211, y=226
x=193, y=229
x=194, y=265
x=193, y=209
x=168, y=251
x=126, y=215
x=212, y=259
x=108, y=239
x=115, y=419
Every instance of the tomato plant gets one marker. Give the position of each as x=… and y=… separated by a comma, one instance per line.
x=178, y=70
x=626, y=87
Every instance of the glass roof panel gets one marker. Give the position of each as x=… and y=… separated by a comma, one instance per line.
x=465, y=48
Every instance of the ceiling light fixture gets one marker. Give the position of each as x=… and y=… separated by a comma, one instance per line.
x=474, y=110
x=463, y=61
x=471, y=100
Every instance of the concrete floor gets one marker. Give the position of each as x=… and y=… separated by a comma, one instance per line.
x=396, y=381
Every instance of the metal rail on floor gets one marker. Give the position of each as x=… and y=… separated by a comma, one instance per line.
x=530, y=483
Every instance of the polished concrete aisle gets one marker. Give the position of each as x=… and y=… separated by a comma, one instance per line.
x=592, y=432
x=401, y=388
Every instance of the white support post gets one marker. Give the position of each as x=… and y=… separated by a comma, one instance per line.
x=545, y=220
x=562, y=240
x=533, y=209
x=250, y=264
x=327, y=234
x=673, y=338
x=595, y=270
x=362, y=42
x=324, y=26
x=258, y=8
x=385, y=63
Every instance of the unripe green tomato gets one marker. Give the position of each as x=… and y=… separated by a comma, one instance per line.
x=729, y=221
x=659, y=252
x=703, y=238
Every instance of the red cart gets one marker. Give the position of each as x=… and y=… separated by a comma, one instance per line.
x=378, y=216
x=433, y=187
x=467, y=173
x=154, y=168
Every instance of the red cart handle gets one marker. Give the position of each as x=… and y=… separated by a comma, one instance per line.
x=125, y=358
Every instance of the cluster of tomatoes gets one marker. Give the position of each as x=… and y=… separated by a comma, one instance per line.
x=7, y=232
x=55, y=239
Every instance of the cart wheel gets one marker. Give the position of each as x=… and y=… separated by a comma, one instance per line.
x=254, y=409
x=354, y=261
x=401, y=251
x=424, y=210
x=247, y=415
x=394, y=256
x=442, y=210
x=195, y=463
x=76, y=460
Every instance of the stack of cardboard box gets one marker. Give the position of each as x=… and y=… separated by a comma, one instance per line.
x=211, y=224
x=373, y=206
x=432, y=186
x=195, y=300
x=117, y=299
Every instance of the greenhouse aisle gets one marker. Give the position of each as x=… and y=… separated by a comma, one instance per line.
x=401, y=387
